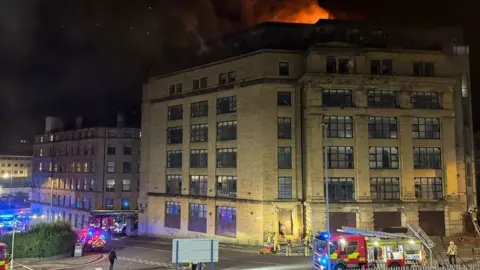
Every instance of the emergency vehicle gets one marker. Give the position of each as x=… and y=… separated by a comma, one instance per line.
x=3, y=257
x=93, y=239
x=358, y=248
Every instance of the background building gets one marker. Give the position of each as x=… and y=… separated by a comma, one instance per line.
x=84, y=169
x=15, y=180
x=234, y=148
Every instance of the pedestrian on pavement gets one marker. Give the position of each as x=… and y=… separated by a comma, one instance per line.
x=112, y=256
x=276, y=244
x=452, y=253
x=288, y=248
x=306, y=245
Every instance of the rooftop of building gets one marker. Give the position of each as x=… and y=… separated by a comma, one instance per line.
x=295, y=36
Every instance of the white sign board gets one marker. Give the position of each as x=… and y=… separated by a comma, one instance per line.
x=194, y=250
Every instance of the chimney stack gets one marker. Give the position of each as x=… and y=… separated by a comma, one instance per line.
x=120, y=120
x=78, y=122
x=52, y=124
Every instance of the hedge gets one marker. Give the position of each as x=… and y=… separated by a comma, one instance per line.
x=43, y=240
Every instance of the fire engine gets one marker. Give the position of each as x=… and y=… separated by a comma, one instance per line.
x=359, y=248
x=93, y=239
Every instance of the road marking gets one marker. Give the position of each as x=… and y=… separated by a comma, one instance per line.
x=265, y=263
x=24, y=266
x=157, y=249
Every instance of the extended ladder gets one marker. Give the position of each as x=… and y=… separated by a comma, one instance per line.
x=473, y=216
x=372, y=233
x=420, y=234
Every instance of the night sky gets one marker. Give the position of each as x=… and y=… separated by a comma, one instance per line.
x=91, y=57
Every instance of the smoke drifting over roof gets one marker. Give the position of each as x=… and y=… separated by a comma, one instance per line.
x=91, y=57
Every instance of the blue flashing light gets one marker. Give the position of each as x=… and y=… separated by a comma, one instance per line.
x=7, y=216
x=323, y=261
x=324, y=236
x=103, y=236
x=90, y=233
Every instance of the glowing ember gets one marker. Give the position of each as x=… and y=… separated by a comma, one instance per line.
x=299, y=11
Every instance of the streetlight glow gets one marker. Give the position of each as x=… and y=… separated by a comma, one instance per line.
x=6, y=176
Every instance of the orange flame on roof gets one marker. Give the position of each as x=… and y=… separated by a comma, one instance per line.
x=299, y=11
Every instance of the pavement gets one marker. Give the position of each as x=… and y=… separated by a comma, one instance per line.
x=150, y=253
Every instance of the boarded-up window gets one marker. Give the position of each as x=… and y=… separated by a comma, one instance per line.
x=173, y=215
x=285, y=222
x=382, y=220
x=432, y=222
x=338, y=219
x=226, y=221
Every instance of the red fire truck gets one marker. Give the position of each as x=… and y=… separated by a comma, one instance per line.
x=358, y=248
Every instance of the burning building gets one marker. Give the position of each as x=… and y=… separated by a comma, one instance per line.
x=243, y=141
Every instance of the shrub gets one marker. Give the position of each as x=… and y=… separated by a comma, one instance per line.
x=43, y=240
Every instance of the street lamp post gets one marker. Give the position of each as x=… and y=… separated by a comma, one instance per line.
x=327, y=206
x=13, y=242
x=51, y=199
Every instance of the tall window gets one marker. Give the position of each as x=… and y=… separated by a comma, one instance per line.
x=199, y=83
x=199, y=109
x=226, y=221
x=127, y=167
x=174, y=135
x=336, y=65
x=125, y=204
x=227, y=158
x=198, y=185
x=284, y=99
x=227, y=186
x=111, y=149
x=426, y=69
x=284, y=187
x=110, y=185
x=174, y=159
x=174, y=184
x=340, y=157
x=427, y=158
x=127, y=150
x=383, y=157
x=225, y=78
x=199, y=158
x=227, y=130
x=175, y=112
x=284, y=158
x=173, y=215
x=382, y=127
x=110, y=167
x=108, y=204
x=197, y=218
x=425, y=100
x=199, y=133
x=92, y=185
x=385, y=188
x=381, y=67
x=382, y=99
x=126, y=185
x=284, y=127
x=340, y=189
x=426, y=128
x=429, y=188
x=175, y=88
x=227, y=105
x=283, y=69
x=337, y=98
x=339, y=126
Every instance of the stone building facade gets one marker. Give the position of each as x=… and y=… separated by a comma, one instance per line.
x=234, y=148
x=84, y=169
